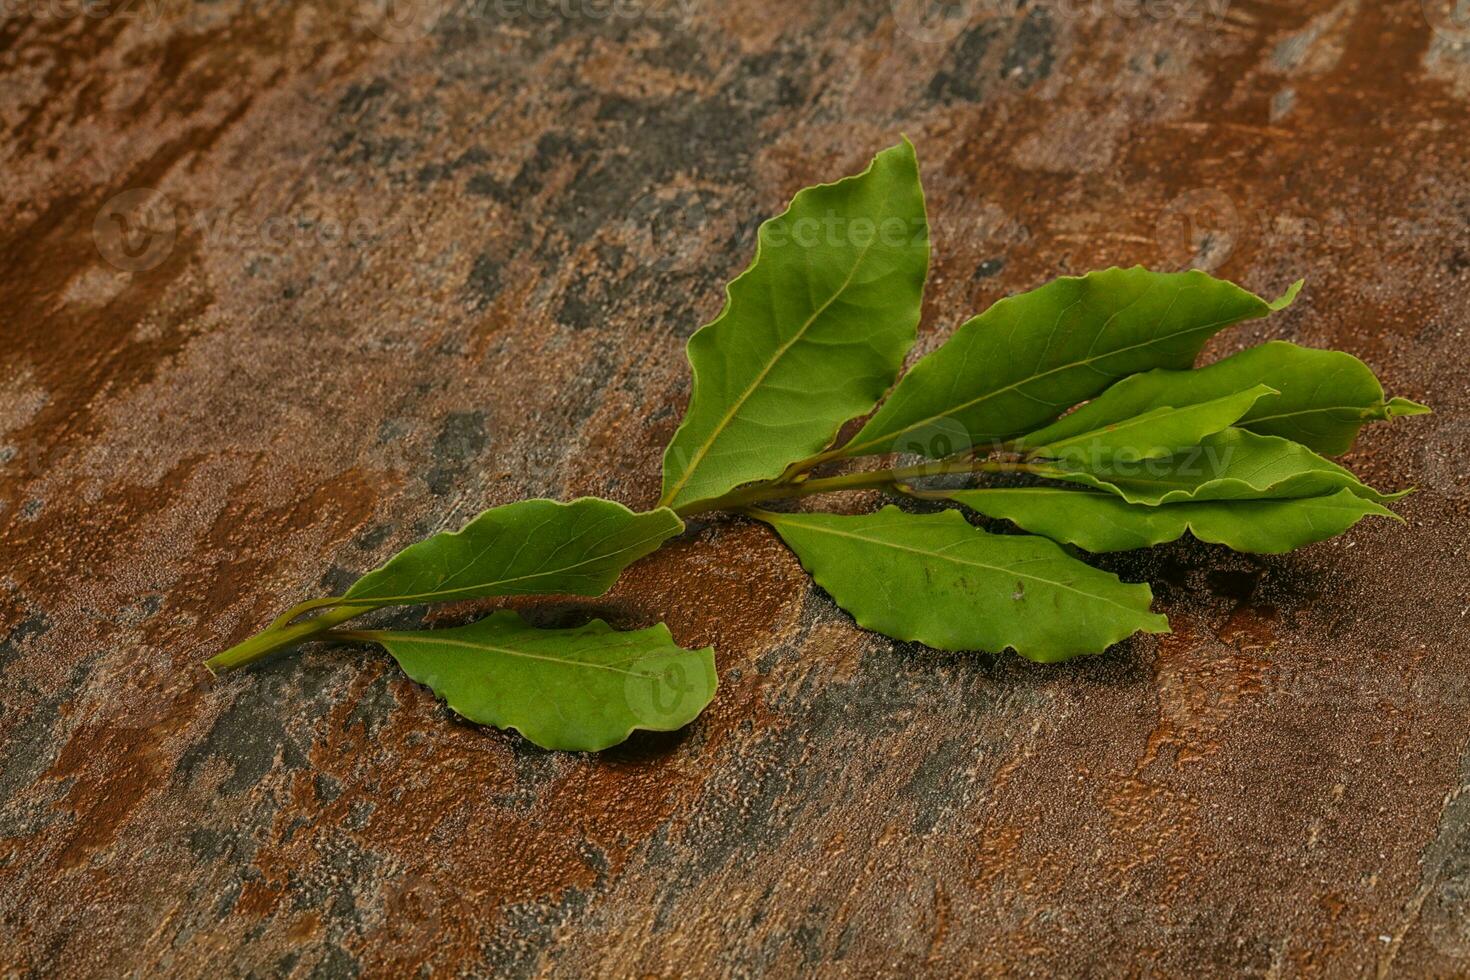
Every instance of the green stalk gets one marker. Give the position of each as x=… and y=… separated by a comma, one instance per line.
x=867, y=480
x=273, y=640
x=333, y=611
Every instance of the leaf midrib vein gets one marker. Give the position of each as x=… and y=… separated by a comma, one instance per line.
x=1084, y=362
x=393, y=600
x=959, y=561
x=512, y=652
x=770, y=366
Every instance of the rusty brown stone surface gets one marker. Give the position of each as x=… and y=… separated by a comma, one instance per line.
x=388, y=277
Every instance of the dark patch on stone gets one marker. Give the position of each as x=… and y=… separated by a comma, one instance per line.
x=580, y=305
x=535, y=769
x=484, y=282
x=962, y=79
x=373, y=707
x=653, y=141
x=208, y=845
x=253, y=731
x=330, y=884
x=357, y=97
x=807, y=937
x=1031, y=55
x=31, y=744
x=337, y=964
x=526, y=929
x=552, y=150
x=484, y=185
x=461, y=439
x=393, y=429
x=374, y=537
x=432, y=172
x=337, y=580
x=327, y=788
x=358, y=815
x=1236, y=585
x=770, y=78
x=990, y=267
x=15, y=642
x=938, y=782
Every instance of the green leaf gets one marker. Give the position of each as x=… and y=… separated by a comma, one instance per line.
x=1322, y=397
x=937, y=580
x=1100, y=522
x=532, y=547
x=1157, y=432
x=1230, y=465
x=582, y=689
x=812, y=333
x=1401, y=407
x=1027, y=358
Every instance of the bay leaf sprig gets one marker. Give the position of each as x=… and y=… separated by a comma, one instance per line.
x=1083, y=394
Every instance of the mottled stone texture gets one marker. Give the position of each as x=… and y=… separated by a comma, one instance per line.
x=388, y=277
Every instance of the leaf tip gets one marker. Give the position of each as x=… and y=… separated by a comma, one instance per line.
x=1287, y=298
x=1405, y=407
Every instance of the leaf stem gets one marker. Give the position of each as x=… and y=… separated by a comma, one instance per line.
x=757, y=493
x=278, y=638
x=795, y=483
x=355, y=636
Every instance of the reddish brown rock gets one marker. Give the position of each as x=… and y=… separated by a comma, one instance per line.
x=358, y=288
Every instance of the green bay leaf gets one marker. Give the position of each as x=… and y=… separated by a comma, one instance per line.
x=1230, y=465
x=531, y=547
x=583, y=689
x=1029, y=357
x=1321, y=398
x=1162, y=431
x=937, y=580
x=812, y=333
x=1101, y=522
